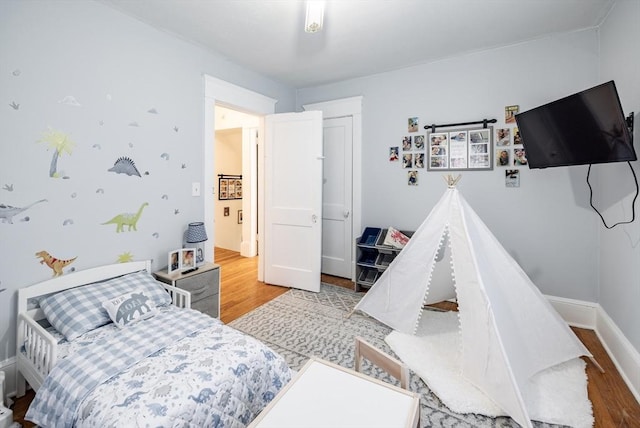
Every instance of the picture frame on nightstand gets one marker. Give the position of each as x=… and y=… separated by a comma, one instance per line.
x=174, y=264
x=181, y=259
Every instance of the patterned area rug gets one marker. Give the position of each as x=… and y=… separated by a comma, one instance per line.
x=301, y=324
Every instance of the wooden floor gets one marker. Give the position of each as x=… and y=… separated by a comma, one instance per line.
x=613, y=404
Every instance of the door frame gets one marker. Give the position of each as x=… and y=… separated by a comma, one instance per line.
x=238, y=98
x=351, y=106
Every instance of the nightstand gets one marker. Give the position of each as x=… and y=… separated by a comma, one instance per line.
x=203, y=284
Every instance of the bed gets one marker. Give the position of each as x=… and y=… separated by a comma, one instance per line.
x=111, y=346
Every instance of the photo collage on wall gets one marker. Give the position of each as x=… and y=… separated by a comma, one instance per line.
x=462, y=149
x=465, y=149
x=412, y=154
x=510, y=152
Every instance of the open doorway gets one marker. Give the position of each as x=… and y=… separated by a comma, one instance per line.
x=235, y=183
x=222, y=93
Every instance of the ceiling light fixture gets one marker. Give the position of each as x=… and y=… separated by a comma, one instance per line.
x=315, y=16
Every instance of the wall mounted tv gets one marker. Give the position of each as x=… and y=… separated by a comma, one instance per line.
x=585, y=128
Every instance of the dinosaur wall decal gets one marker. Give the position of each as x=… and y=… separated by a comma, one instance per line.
x=55, y=264
x=127, y=219
x=7, y=212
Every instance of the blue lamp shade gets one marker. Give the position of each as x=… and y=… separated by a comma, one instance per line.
x=196, y=234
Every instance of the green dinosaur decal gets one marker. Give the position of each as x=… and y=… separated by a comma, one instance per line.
x=127, y=219
x=60, y=142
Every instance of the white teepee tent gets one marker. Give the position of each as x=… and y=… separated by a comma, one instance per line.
x=509, y=330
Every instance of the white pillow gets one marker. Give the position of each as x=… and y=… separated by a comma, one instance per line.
x=129, y=308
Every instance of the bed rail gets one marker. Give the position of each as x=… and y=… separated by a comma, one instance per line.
x=40, y=347
x=179, y=297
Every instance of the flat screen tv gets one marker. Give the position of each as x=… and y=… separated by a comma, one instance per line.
x=585, y=128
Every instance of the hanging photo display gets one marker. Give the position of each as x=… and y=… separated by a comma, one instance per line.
x=463, y=149
x=229, y=187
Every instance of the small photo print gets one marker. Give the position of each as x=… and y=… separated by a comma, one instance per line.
x=413, y=124
x=393, y=154
x=517, y=139
x=512, y=178
x=412, y=178
x=438, y=151
x=406, y=143
x=479, y=161
x=503, y=137
x=438, y=162
x=503, y=157
x=479, y=136
x=419, y=160
x=460, y=137
x=519, y=157
x=188, y=258
x=407, y=160
x=510, y=113
x=174, y=261
x=418, y=142
x=440, y=139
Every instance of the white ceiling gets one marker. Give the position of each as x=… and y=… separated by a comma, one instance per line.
x=360, y=37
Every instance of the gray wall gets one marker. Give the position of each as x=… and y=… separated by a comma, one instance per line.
x=547, y=224
x=133, y=84
x=544, y=224
x=620, y=246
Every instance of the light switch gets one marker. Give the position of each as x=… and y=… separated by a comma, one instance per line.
x=195, y=189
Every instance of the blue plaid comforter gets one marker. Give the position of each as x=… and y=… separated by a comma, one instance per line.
x=197, y=373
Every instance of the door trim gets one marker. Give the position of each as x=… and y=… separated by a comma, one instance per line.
x=223, y=93
x=349, y=107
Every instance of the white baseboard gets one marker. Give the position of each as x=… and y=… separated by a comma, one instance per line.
x=575, y=312
x=591, y=316
x=622, y=353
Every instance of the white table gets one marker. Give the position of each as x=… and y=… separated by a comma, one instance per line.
x=324, y=395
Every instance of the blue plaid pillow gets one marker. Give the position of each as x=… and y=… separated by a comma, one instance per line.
x=78, y=310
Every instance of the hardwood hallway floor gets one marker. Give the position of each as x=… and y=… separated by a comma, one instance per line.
x=614, y=406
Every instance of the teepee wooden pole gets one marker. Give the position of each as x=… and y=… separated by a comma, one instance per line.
x=451, y=182
x=597, y=364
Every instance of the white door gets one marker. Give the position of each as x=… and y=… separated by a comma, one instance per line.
x=337, y=226
x=293, y=200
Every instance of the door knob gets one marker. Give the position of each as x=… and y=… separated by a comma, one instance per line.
x=346, y=214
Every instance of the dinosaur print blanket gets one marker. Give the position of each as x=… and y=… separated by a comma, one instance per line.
x=202, y=373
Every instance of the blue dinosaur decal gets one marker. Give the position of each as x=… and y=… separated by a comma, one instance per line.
x=178, y=368
x=206, y=376
x=224, y=400
x=268, y=396
x=130, y=399
x=157, y=409
x=203, y=396
x=215, y=347
x=277, y=382
x=134, y=384
x=270, y=356
x=240, y=370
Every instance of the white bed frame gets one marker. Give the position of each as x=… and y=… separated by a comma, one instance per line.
x=41, y=352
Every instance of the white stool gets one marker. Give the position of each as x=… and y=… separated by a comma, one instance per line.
x=6, y=415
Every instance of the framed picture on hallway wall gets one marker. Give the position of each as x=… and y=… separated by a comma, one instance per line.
x=229, y=187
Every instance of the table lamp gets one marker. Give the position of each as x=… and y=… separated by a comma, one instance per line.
x=196, y=234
